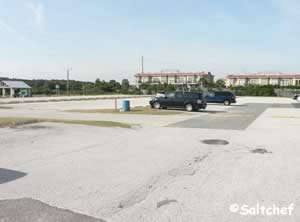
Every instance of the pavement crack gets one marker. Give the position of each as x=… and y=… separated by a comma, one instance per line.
x=165, y=202
x=140, y=194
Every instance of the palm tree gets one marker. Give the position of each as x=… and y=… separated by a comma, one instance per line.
x=203, y=82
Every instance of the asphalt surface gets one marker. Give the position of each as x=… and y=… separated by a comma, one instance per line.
x=27, y=209
x=7, y=175
x=151, y=173
x=238, y=117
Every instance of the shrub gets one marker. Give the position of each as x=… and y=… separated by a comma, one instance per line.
x=254, y=90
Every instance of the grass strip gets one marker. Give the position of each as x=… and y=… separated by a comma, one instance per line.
x=19, y=121
x=5, y=107
x=140, y=110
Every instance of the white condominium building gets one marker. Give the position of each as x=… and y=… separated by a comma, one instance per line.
x=263, y=79
x=174, y=78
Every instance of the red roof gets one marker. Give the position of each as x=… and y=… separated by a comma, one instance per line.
x=264, y=75
x=164, y=74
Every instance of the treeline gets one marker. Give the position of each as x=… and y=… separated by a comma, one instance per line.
x=203, y=85
x=254, y=90
x=49, y=87
x=257, y=90
x=250, y=90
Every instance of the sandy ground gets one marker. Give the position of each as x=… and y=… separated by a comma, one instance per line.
x=156, y=172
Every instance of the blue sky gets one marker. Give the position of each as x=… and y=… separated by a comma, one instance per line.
x=105, y=39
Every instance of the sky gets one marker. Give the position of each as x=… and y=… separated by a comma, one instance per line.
x=106, y=38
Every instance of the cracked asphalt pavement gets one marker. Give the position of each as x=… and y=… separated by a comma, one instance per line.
x=162, y=171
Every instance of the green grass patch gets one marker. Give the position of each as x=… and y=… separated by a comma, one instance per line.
x=136, y=110
x=18, y=121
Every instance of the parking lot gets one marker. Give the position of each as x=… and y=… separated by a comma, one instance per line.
x=161, y=169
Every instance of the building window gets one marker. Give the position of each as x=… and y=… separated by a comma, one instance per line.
x=253, y=81
x=284, y=82
x=181, y=80
x=156, y=80
x=274, y=81
x=164, y=80
x=191, y=79
x=241, y=82
x=264, y=82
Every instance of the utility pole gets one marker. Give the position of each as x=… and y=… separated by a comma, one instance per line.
x=68, y=76
x=142, y=64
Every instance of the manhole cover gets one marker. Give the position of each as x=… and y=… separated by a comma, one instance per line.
x=215, y=142
x=260, y=151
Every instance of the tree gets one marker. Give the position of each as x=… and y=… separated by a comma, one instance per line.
x=97, y=81
x=125, y=85
x=114, y=86
x=220, y=83
x=203, y=82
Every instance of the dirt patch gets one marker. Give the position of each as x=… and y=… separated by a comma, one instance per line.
x=215, y=142
x=165, y=202
x=260, y=151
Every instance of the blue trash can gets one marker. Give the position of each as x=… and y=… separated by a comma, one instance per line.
x=126, y=105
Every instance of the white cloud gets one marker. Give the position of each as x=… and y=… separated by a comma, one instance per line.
x=6, y=27
x=289, y=10
x=38, y=12
x=289, y=7
x=10, y=30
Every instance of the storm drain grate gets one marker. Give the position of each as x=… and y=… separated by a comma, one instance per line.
x=215, y=142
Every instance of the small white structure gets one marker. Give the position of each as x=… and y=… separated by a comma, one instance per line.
x=14, y=87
